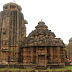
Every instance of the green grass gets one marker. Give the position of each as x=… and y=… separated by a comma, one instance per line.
x=16, y=69
x=61, y=69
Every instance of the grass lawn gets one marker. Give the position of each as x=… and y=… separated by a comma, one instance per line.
x=60, y=69
x=16, y=69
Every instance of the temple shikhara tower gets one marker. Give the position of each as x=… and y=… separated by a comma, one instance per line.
x=12, y=29
x=69, y=49
x=39, y=49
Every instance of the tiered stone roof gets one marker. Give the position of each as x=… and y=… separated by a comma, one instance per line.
x=41, y=36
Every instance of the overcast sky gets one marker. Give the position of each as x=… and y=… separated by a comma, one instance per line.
x=57, y=15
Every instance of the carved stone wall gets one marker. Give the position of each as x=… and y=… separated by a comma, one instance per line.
x=69, y=49
x=62, y=54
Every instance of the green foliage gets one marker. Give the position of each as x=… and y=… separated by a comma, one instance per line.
x=61, y=69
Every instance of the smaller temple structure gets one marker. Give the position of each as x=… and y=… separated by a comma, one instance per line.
x=42, y=49
x=69, y=49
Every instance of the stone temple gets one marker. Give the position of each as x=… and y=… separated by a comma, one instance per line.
x=69, y=49
x=39, y=49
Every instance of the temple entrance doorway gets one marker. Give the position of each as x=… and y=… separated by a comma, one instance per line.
x=41, y=60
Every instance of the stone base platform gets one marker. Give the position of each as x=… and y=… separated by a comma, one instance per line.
x=33, y=66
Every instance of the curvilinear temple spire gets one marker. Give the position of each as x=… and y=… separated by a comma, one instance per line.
x=12, y=29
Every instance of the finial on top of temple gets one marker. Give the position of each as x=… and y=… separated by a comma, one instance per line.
x=41, y=24
x=14, y=1
x=41, y=19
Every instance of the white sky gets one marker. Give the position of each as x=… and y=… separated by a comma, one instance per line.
x=57, y=15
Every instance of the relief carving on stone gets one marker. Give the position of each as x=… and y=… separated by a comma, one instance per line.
x=4, y=31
